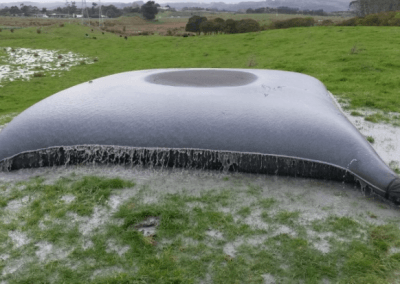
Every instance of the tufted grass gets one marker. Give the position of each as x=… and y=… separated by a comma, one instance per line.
x=182, y=250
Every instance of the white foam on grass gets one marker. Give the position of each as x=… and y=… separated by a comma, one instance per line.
x=386, y=136
x=68, y=198
x=215, y=234
x=15, y=265
x=231, y=247
x=394, y=250
x=87, y=225
x=195, y=204
x=283, y=230
x=19, y=239
x=14, y=207
x=101, y=273
x=48, y=252
x=320, y=194
x=268, y=278
x=86, y=244
x=255, y=221
x=23, y=63
x=112, y=246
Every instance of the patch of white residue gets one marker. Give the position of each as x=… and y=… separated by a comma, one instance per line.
x=225, y=210
x=106, y=272
x=322, y=245
x=195, y=204
x=14, y=265
x=15, y=206
x=190, y=242
x=150, y=199
x=112, y=246
x=86, y=244
x=255, y=221
x=386, y=136
x=231, y=248
x=4, y=256
x=23, y=63
x=283, y=230
x=87, y=225
x=307, y=217
x=215, y=234
x=101, y=215
x=268, y=278
x=48, y=221
x=207, y=279
x=67, y=198
x=116, y=200
x=48, y=252
x=394, y=250
x=19, y=239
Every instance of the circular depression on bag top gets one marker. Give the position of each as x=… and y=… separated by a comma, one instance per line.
x=202, y=78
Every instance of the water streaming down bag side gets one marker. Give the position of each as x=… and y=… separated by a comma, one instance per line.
x=182, y=158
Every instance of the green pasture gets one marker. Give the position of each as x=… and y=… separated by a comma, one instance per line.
x=357, y=64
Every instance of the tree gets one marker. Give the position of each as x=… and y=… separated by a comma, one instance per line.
x=5, y=11
x=219, y=25
x=149, y=10
x=93, y=7
x=207, y=27
x=366, y=7
x=35, y=10
x=73, y=8
x=26, y=10
x=230, y=27
x=194, y=23
x=14, y=10
x=135, y=9
x=111, y=11
x=247, y=26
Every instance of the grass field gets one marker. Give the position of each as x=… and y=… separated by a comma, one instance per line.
x=81, y=226
x=263, y=19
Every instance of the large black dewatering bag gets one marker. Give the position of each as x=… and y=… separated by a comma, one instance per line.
x=246, y=120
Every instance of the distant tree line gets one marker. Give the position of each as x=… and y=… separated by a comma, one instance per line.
x=199, y=25
x=22, y=10
x=148, y=10
x=390, y=18
x=193, y=9
x=286, y=10
x=367, y=7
